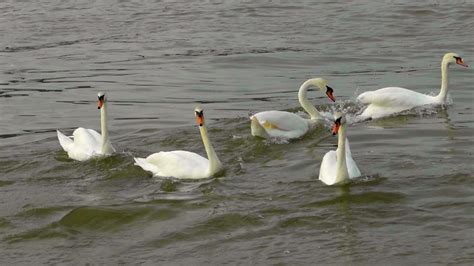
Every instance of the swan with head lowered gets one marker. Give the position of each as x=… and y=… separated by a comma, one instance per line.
x=286, y=125
x=184, y=164
x=338, y=167
x=391, y=100
x=88, y=143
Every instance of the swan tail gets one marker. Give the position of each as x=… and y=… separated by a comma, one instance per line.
x=64, y=141
x=257, y=129
x=141, y=162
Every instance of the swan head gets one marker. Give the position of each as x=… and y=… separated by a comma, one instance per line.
x=339, y=120
x=101, y=102
x=322, y=84
x=199, y=113
x=450, y=58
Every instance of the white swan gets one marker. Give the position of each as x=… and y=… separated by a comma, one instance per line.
x=338, y=167
x=184, y=164
x=279, y=124
x=87, y=143
x=390, y=100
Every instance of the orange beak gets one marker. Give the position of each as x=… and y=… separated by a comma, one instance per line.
x=100, y=104
x=460, y=62
x=200, y=120
x=329, y=93
x=335, y=127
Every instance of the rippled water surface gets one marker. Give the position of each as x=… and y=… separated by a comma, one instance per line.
x=157, y=59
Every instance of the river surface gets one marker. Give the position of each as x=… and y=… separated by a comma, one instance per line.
x=157, y=59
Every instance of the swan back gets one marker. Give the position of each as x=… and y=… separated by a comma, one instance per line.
x=390, y=100
x=178, y=164
x=279, y=124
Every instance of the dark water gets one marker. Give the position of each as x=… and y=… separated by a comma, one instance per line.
x=157, y=59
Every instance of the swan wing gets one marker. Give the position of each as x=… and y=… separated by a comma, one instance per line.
x=282, y=124
x=178, y=164
x=84, y=144
x=87, y=139
x=352, y=168
x=328, y=170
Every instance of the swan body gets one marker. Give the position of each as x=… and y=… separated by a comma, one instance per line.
x=387, y=101
x=391, y=100
x=178, y=164
x=184, y=164
x=280, y=124
x=88, y=143
x=338, y=167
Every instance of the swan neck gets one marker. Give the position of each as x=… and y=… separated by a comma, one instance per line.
x=303, y=99
x=106, y=146
x=342, y=173
x=444, y=82
x=214, y=163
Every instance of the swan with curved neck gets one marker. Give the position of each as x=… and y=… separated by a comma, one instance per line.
x=88, y=143
x=338, y=167
x=184, y=164
x=391, y=100
x=280, y=124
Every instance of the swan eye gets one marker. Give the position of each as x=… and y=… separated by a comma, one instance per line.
x=101, y=97
x=338, y=121
x=199, y=113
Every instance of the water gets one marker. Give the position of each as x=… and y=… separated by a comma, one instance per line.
x=156, y=60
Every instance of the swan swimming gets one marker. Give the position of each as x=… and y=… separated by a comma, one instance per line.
x=88, y=143
x=387, y=101
x=338, y=167
x=184, y=164
x=286, y=125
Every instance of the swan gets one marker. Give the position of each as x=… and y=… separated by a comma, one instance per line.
x=391, y=100
x=338, y=167
x=88, y=143
x=184, y=164
x=286, y=125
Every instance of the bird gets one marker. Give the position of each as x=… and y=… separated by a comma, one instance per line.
x=286, y=125
x=88, y=143
x=391, y=100
x=184, y=164
x=338, y=167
